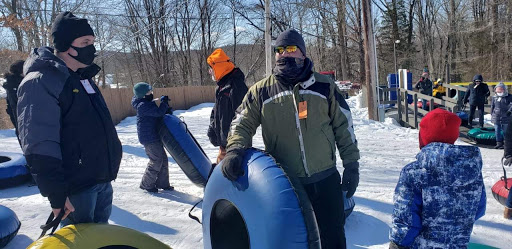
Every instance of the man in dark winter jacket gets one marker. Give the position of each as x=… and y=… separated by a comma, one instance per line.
x=439, y=196
x=476, y=95
x=13, y=79
x=501, y=108
x=229, y=93
x=424, y=85
x=66, y=131
x=303, y=118
x=507, y=214
x=149, y=116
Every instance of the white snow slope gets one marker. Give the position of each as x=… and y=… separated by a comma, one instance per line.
x=385, y=149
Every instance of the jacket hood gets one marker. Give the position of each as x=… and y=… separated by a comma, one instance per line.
x=450, y=164
x=501, y=84
x=478, y=77
x=220, y=63
x=41, y=59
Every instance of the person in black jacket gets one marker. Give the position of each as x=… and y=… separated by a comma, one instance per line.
x=476, y=95
x=507, y=214
x=424, y=85
x=66, y=131
x=230, y=91
x=13, y=79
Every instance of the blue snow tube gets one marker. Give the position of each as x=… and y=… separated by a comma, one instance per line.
x=185, y=150
x=13, y=170
x=262, y=209
x=9, y=225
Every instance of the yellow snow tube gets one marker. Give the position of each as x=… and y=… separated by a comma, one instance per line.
x=97, y=236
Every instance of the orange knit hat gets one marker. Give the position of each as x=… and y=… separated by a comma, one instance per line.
x=220, y=63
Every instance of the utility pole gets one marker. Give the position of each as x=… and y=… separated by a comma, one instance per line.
x=268, y=40
x=370, y=60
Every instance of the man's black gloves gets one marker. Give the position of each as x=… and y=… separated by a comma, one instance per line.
x=508, y=161
x=350, y=178
x=169, y=111
x=164, y=99
x=232, y=163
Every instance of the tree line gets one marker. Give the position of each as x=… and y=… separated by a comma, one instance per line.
x=166, y=42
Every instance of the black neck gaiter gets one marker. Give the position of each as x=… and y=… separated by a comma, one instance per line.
x=290, y=71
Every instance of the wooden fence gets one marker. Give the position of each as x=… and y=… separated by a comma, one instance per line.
x=119, y=101
x=410, y=115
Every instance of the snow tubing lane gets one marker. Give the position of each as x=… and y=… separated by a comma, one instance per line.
x=500, y=192
x=261, y=209
x=483, y=135
x=185, y=150
x=13, y=170
x=9, y=225
x=101, y=236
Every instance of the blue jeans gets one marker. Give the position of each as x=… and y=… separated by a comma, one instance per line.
x=93, y=205
x=498, y=129
x=509, y=199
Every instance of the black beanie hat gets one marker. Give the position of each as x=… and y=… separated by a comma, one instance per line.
x=66, y=28
x=291, y=37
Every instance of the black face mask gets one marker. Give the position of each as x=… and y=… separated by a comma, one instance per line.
x=149, y=97
x=289, y=70
x=85, y=55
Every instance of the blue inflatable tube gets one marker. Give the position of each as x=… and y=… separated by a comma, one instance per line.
x=9, y=225
x=185, y=150
x=261, y=209
x=13, y=170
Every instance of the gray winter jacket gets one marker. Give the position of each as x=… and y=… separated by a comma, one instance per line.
x=500, y=106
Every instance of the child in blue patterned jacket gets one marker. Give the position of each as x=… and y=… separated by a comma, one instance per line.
x=439, y=196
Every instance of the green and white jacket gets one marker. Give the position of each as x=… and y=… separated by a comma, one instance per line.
x=304, y=146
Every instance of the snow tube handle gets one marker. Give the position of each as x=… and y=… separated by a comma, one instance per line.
x=52, y=223
x=504, y=178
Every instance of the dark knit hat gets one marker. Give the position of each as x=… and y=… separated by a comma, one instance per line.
x=291, y=37
x=439, y=126
x=140, y=89
x=66, y=28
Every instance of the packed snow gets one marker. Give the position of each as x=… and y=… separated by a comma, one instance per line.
x=385, y=149
x=3, y=93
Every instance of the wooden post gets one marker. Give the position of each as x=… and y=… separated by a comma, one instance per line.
x=399, y=105
x=406, y=108
x=415, y=110
x=370, y=63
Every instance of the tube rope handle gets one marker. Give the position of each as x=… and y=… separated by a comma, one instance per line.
x=52, y=223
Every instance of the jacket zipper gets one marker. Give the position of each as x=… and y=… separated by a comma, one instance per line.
x=301, y=140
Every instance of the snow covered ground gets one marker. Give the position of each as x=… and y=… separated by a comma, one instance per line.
x=385, y=149
x=3, y=93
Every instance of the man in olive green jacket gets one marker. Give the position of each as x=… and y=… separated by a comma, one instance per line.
x=303, y=118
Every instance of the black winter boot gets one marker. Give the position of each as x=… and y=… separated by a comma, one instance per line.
x=499, y=145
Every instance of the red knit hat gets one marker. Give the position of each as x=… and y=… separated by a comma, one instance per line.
x=439, y=126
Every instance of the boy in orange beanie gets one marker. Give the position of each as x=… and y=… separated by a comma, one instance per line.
x=439, y=196
x=230, y=91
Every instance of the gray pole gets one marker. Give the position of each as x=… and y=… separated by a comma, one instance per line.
x=268, y=40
